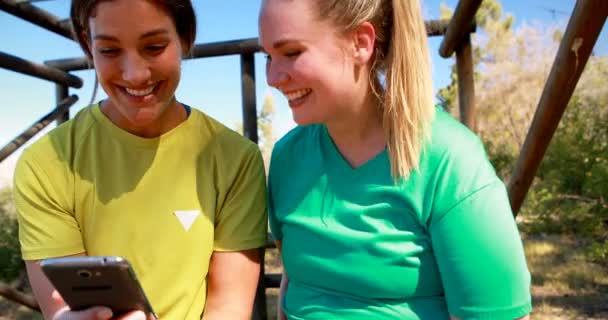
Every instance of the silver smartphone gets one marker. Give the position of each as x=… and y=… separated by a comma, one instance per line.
x=89, y=281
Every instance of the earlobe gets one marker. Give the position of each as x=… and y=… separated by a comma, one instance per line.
x=364, y=40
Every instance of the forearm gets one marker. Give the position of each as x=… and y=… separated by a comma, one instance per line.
x=232, y=282
x=236, y=310
x=43, y=290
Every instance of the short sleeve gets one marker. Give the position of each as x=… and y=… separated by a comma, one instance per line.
x=480, y=257
x=273, y=221
x=47, y=227
x=241, y=222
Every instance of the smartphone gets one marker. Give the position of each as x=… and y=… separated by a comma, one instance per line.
x=89, y=281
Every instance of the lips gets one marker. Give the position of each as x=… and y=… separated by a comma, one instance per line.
x=142, y=92
x=297, y=94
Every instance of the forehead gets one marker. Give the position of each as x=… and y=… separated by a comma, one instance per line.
x=288, y=19
x=118, y=17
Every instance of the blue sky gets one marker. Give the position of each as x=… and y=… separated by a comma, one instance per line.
x=210, y=84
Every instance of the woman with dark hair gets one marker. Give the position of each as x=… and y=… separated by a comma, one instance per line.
x=143, y=176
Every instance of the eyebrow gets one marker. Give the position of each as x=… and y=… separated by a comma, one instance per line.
x=281, y=43
x=148, y=34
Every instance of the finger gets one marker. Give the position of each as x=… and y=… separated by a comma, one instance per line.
x=95, y=313
x=57, y=297
x=134, y=315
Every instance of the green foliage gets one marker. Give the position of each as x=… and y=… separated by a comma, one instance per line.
x=570, y=195
x=10, y=255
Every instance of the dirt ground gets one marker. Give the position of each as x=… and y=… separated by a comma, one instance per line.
x=564, y=284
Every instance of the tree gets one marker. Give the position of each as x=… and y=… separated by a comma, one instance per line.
x=511, y=67
x=12, y=269
x=569, y=194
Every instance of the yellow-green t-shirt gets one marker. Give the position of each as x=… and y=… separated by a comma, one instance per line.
x=165, y=203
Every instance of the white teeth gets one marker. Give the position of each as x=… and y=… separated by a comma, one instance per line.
x=296, y=94
x=140, y=93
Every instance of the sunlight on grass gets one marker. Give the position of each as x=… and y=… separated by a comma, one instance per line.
x=564, y=284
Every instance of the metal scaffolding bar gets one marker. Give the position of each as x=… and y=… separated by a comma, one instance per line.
x=7, y=150
x=463, y=18
x=37, y=16
x=575, y=48
x=17, y=64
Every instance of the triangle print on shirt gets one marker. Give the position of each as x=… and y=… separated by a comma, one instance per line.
x=187, y=217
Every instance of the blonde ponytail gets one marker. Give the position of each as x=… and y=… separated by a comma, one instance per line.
x=408, y=99
x=402, y=56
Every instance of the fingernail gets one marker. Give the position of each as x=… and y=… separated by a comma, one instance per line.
x=104, y=314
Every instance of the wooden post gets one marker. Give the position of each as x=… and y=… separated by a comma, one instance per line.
x=37, y=16
x=466, y=83
x=36, y=127
x=41, y=71
x=250, y=130
x=62, y=92
x=250, y=123
x=581, y=34
x=459, y=26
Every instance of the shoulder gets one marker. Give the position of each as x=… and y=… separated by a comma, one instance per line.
x=60, y=143
x=448, y=135
x=226, y=148
x=453, y=145
x=221, y=137
x=455, y=162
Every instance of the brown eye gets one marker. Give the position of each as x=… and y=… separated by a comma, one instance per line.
x=156, y=49
x=293, y=54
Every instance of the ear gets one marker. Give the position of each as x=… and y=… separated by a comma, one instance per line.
x=364, y=37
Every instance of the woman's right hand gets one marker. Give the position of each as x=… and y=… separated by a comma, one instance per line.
x=94, y=313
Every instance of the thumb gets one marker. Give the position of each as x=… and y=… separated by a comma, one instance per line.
x=94, y=313
x=57, y=299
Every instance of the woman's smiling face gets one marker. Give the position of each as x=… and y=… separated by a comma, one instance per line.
x=308, y=60
x=137, y=56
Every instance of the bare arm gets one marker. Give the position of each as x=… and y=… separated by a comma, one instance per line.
x=232, y=283
x=282, y=288
x=43, y=289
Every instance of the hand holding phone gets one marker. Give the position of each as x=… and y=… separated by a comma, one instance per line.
x=97, y=313
x=88, y=283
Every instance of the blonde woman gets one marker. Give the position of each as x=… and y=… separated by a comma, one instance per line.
x=383, y=206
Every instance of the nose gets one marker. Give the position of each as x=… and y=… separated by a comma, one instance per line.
x=135, y=69
x=276, y=75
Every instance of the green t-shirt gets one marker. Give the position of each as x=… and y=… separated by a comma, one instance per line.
x=358, y=246
x=163, y=203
